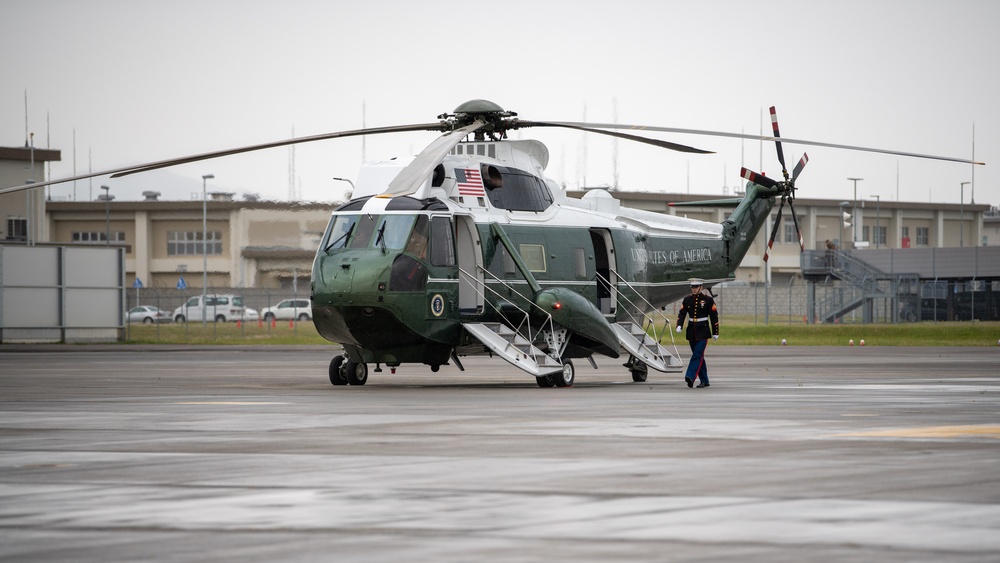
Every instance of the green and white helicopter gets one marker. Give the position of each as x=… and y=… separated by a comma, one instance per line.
x=468, y=248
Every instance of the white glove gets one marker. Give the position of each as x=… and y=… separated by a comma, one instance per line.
x=715, y=337
x=678, y=328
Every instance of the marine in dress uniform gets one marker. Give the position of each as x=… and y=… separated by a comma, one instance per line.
x=702, y=325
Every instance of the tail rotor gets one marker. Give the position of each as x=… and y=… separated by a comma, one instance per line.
x=787, y=186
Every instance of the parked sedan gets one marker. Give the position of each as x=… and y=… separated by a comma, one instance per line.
x=288, y=309
x=147, y=314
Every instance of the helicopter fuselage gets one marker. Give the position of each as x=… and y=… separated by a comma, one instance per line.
x=396, y=278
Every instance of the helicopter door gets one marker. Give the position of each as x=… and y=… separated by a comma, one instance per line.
x=606, y=278
x=470, y=260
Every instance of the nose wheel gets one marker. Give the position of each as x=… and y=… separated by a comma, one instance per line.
x=567, y=376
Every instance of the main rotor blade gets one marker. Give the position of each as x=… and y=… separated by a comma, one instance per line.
x=759, y=179
x=126, y=170
x=410, y=179
x=757, y=138
x=646, y=140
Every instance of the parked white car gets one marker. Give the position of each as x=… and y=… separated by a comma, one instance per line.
x=147, y=314
x=217, y=307
x=288, y=309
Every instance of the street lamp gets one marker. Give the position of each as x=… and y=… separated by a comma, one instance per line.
x=349, y=182
x=961, y=211
x=854, y=231
x=878, y=200
x=107, y=214
x=204, y=246
x=843, y=222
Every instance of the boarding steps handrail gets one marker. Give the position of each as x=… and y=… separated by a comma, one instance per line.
x=506, y=339
x=634, y=337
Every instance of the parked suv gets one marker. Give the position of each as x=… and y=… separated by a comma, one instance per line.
x=288, y=309
x=217, y=307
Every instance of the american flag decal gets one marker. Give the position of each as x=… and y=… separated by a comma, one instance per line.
x=469, y=181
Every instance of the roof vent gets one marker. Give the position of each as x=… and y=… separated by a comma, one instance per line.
x=151, y=195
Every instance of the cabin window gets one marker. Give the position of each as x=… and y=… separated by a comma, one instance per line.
x=520, y=192
x=442, y=243
x=340, y=231
x=533, y=256
x=580, y=263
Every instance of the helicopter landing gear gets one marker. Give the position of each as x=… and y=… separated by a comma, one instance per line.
x=357, y=373
x=337, y=375
x=639, y=372
x=568, y=375
x=344, y=371
x=545, y=381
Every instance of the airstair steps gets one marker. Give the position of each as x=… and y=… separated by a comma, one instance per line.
x=634, y=339
x=513, y=347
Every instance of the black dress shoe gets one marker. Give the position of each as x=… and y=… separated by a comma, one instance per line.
x=700, y=385
x=690, y=382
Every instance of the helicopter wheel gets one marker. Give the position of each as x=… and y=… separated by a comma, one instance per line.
x=337, y=375
x=545, y=381
x=639, y=372
x=357, y=373
x=568, y=375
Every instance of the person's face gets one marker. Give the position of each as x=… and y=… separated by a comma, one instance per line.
x=695, y=288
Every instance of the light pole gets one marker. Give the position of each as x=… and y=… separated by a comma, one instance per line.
x=843, y=223
x=854, y=230
x=961, y=212
x=107, y=214
x=204, y=246
x=878, y=200
x=349, y=182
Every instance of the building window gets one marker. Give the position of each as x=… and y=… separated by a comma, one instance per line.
x=99, y=236
x=923, y=236
x=904, y=232
x=17, y=228
x=864, y=234
x=180, y=243
x=880, y=235
x=790, y=236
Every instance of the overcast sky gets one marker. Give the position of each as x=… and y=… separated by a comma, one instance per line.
x=136, y=81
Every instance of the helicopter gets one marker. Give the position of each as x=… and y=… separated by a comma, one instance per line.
x=468, y=248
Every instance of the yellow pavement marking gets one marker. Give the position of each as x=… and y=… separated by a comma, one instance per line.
x=985, y=430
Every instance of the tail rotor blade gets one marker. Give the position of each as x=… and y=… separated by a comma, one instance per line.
x=795, y=219
x=774, y=230
x=760, y=179
x=798, y=167
x=777, y=142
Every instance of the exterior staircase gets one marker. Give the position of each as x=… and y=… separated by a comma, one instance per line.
x=636, y=341
x=514, y=347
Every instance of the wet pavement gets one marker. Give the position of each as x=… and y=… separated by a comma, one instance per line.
x=222, y=453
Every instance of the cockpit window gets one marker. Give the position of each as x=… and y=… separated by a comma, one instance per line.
x=417, y=244
x=340, y=231
x=394, y=231
x=363, y=232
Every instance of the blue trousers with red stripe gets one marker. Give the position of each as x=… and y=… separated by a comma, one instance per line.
x=697, y=366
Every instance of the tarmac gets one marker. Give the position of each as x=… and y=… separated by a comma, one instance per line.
x=172, y=453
